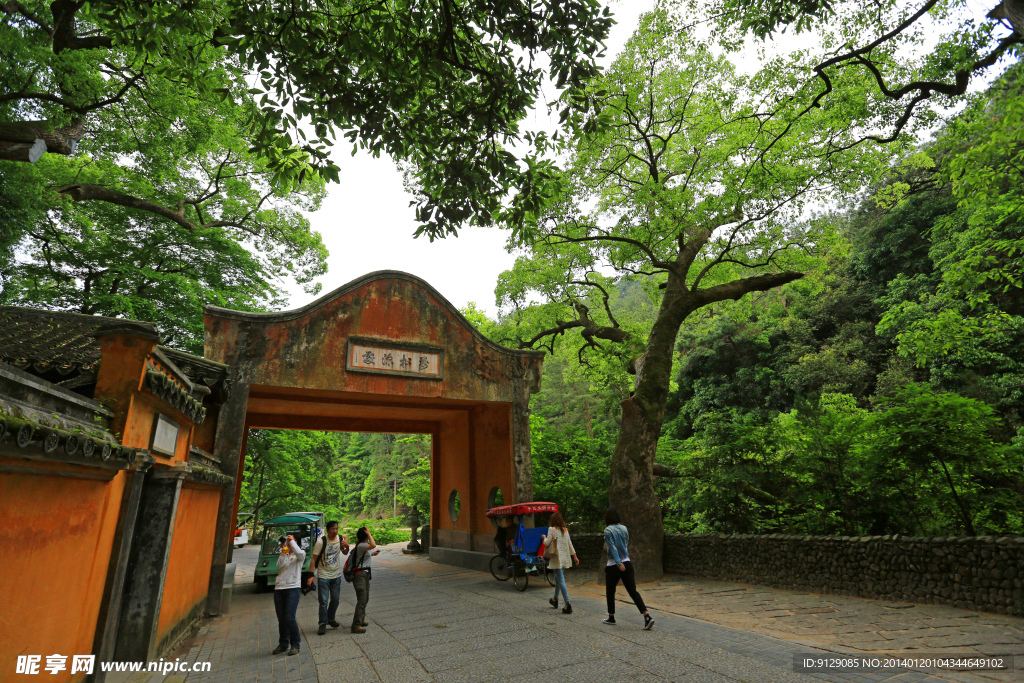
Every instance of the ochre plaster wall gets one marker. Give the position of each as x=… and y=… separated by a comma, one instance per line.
x=119, y=385
x=492, y=443
x=139, y=427
x=203, y=434
x=55, y=545
x=188, y=570
x=451, y=463
x=308, y=348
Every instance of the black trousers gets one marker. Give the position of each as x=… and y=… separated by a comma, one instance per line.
x=612, y=575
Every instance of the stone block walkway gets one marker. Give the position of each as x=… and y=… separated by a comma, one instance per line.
x=431, y=622
x=839, y=623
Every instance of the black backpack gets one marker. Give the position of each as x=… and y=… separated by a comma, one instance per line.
x=350, y=569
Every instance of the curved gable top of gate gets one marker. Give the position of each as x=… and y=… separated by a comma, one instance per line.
x=387, y=332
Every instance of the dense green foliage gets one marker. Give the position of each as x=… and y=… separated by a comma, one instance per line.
x=441, y=87
x=879, y=394
x=915, y=57
x=351, y=477
x=882, y=394
x=156, y=156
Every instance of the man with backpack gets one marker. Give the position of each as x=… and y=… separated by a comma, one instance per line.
x=357, y=571
x=327, y=566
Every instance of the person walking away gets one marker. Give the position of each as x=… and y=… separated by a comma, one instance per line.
x=616, y=537
x=326, y=566
x=360, y=557
x=286, y=594
x=562, y=557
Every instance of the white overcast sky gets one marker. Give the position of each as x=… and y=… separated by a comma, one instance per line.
x=367, y=223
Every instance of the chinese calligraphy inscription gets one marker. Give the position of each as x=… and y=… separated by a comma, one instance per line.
x=394, y=359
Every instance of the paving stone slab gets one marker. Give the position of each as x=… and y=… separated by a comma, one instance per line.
x=429, y=623
x=594, y=671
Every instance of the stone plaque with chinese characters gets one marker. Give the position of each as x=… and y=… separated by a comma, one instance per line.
x=165, y=436
x=395, y=359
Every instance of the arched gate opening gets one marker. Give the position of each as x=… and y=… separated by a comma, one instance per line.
x=384, y=353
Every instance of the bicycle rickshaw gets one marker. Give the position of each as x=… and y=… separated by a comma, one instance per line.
x=522, y=554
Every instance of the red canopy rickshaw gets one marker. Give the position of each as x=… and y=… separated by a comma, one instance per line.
x=523, y=555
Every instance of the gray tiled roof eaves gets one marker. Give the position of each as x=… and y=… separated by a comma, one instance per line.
x=42, y=341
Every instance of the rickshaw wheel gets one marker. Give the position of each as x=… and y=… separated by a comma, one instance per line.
x=549, y=574
x=500, y=568
x=519, y=576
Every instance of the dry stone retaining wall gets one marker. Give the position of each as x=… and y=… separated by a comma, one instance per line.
x=980, y=573
x=589, y=548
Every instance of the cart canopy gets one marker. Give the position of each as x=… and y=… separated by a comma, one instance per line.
x=291, y=520
x=522, y=509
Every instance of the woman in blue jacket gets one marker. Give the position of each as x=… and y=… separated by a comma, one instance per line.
x=616, y=537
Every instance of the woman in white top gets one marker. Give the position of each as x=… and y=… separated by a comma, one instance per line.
x=286, y=594
x=562, y=556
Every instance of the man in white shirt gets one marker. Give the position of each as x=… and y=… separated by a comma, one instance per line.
x=328, y=560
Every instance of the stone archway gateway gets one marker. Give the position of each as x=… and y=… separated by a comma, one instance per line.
x=384, y=353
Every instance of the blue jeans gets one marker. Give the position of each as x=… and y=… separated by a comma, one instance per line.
x=286, y=602
x=329, y=592
x=560, y=584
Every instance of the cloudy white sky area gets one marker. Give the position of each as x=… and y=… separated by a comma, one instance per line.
x=367, y=223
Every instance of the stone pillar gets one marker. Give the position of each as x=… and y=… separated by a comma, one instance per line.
x=147, y=564
x=414, y=523
x=227, y=448
x=113, y=591
x=522, y=461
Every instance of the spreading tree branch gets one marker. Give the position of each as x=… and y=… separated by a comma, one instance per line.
x=81, y=192
x=737, y=288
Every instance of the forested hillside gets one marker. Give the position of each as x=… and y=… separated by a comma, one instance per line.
x=347, y=475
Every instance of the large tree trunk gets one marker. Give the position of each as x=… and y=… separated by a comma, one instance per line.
x=631, y=488
x=1012, y=11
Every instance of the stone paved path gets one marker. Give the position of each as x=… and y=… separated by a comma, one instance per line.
x=838, y=622
x=431, y=622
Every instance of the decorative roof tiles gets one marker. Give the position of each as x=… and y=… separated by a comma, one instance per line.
x=61, y=346
x=41, y=341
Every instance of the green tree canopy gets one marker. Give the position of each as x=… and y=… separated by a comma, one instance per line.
x=912, y=56
x=697, y=182
x=441, y=86
x=191, y=216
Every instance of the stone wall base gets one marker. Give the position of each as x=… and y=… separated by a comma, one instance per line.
x=973, y=572
x=467, y=559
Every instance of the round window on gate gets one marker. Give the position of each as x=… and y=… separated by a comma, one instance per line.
x=453, y=505
x=495, y=498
